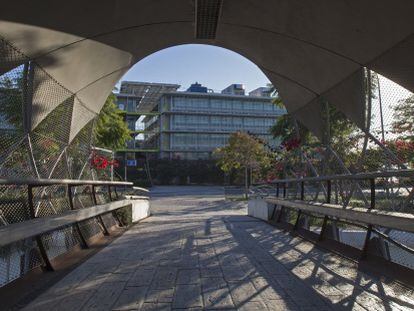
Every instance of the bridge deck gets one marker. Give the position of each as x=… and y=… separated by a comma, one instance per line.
x=200, y=252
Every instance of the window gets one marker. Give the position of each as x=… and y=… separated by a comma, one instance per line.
x=216, y=104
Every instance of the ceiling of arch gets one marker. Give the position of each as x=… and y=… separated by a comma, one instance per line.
x=308, y=49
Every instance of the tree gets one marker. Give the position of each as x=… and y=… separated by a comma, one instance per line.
x=242, y=152
x=111, y=131
x=403, y=114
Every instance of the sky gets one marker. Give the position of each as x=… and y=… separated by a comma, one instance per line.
x=217, y=68
x=214, y=67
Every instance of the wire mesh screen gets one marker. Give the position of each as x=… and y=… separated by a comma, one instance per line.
x=398, y=247
x=82, y=197
x=36, y=120
x=90, y=228
x=13, y=205
x=17, y=259
x=60, y=241
x=109, y=220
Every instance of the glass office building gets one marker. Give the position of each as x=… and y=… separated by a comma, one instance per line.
x=191, y=124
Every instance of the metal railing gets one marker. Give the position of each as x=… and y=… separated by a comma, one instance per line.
x=372, y=212
x=44, y=218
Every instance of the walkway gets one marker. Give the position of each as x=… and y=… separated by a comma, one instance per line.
x=199, y=252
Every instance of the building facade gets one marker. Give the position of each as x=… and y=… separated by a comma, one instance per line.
x=192, y=124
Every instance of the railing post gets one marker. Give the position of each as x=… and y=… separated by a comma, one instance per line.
x=109, y=193
x=329, y=191
x=116, y=193
x=325, y=219
x=369, y=230
x=302, y=190
x=275, y=205
x=279, y=217
x=95, y=201
x=114, y=213
x=302, y=197
x=47, y=264
x=84, y=243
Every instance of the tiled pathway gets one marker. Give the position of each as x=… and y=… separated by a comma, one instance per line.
x=200, y=253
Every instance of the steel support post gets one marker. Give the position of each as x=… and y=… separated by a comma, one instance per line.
x=369, y=230
x=84, y=243
x=114, y=213
x=325, y=219
x=302, y=197
x=95, y=201
x=47, y=264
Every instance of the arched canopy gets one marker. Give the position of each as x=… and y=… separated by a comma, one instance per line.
x=308, y=49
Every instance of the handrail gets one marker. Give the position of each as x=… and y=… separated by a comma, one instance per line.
x=51, y=182
x=37, y=226
x=357, y=176
x=386, y=219
x=50, y=221
x=140, y=189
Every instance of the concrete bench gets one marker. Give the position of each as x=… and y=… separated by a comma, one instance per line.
x=37, y=226
x=263, y=208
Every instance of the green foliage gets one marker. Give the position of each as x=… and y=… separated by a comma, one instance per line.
x=111, y=131
x=125, y=215
x=242, y=152
x=403, y=114
x=11, y=102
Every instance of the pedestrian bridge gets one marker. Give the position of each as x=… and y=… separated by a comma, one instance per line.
x=333, y=228
x=199, y=251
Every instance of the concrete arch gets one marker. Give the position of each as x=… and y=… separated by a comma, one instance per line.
x=307, y=50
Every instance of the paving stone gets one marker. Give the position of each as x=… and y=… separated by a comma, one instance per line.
x=252, y=306
x=211, y=272
x=217, y=298
x=243, y=292
x=160, y=295
x=164, y=277
x=233, y=274
x=187, y=296
x=188, y=276
x=141, y=277
x=156, y=307
x=200, y=253
x=131, y=298
x=212, y=283
x=105, y=297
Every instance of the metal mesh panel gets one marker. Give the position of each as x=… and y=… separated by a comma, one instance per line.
x=19, y=163
x=57, y=131
x=11, y=125
x=47, y=153
x=102, y=195
x=50, y=200
x=109, y=220
x=82, y=197
x=13, y=204
x=61, y=168
x=47, y=95
x=90, y=228
x=10, y=57
x=78, y=153
x=60, y=241
x=17, y=259
x=36, y=115
x=395, y=252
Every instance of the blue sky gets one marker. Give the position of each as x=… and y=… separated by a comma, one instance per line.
x=211, y=66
